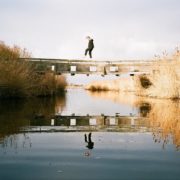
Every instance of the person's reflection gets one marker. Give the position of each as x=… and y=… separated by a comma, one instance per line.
x=90, y=144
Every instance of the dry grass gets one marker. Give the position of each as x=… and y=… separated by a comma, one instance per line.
x=19, y=79
x=164, y=82
x=121, y=84
x=165, y=120
x=16, y=77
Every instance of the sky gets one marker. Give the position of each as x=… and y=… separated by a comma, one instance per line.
x=121, y=29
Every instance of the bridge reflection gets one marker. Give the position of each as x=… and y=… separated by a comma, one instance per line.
x=88, y=122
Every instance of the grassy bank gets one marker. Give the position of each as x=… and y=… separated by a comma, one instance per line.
x=19, y=79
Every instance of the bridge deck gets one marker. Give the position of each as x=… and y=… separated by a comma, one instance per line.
x=64, y=66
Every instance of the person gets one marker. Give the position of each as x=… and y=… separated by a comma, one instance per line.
x=90, y=46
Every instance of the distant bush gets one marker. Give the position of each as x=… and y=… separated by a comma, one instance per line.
x=97, y=87
x=19, y=79
x=145, y=82
x=121, y=84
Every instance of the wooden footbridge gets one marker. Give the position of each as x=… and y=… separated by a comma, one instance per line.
x=65, y=66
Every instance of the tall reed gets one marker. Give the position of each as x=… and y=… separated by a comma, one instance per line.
x=164, y=82
x=19, y=79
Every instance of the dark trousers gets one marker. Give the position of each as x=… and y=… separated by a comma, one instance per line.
x=90, y=52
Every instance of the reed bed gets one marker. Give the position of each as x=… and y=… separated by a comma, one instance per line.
x=164, y=82
x=19, y=79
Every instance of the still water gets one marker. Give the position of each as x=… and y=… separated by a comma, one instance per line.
x=127, y=137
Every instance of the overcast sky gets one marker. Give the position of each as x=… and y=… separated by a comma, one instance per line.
x=121, y=29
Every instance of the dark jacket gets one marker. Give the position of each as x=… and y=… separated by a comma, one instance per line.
x=91, y=44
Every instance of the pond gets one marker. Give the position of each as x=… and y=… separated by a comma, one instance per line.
x=90, y=135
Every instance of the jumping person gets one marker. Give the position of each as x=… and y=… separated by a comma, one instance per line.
x=90, y=46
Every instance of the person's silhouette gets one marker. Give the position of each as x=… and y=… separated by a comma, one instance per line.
x=90, y=46
x=90, y=144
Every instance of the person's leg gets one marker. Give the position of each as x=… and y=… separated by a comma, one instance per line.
x=85, y=137
x=86, y=51
x=89, y=138
x=90, y=53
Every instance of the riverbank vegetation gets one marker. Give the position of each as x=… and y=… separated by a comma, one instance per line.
x=18, y=78
x=162, y=82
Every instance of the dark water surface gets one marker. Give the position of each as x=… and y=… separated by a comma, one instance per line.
x=141, y=142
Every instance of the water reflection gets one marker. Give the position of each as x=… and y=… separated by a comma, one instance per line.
x=165, y=120
x=116, y=97
x=142, y=104
x=82, y=102
x=14, y=142
x=159, y=116
x=60, y=156
x=16, y=114
x=119, y=146
x=90, y=144
x=163, y=115
x=144, y=109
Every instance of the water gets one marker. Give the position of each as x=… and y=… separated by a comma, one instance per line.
x=142, y=144
x=83, y=102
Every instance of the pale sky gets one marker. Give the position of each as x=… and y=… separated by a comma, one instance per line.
x=121, y=29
